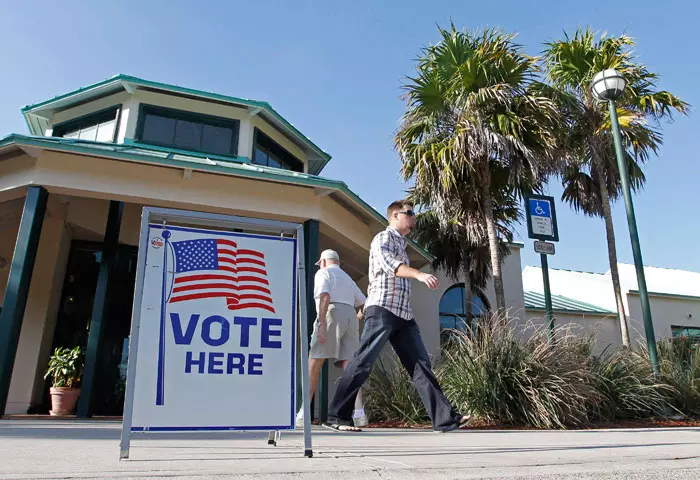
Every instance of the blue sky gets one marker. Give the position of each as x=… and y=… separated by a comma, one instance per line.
x=334, y=70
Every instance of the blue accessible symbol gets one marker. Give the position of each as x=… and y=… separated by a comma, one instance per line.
x=540, y=208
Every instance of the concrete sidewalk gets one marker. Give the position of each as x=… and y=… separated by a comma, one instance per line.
x=79, y=449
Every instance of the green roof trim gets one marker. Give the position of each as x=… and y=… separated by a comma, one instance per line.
x=535, y=301
x=179, y=159
x=191, y=153
x=667, y=295
x=121, y=79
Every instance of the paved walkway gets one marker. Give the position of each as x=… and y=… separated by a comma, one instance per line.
x=79, y=449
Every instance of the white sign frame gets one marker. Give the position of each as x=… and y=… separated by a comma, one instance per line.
x=182, y=218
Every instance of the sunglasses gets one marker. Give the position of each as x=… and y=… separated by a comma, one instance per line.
x=410, y=213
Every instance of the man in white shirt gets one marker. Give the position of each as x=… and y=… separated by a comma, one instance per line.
x=336, y=333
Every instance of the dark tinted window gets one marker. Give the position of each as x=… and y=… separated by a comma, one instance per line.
x=452, y=308
x=217, y=139
x=188, y=131
x=271, y=154
x=188, y=135
x=158, y=130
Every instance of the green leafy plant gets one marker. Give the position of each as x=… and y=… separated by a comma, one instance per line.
x=390, y=395
x=65, y=367
x=627, y=387
x=511, y=375
x=502, y=376
x=679, y=362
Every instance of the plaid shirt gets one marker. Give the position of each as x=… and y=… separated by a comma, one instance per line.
x=387, y=253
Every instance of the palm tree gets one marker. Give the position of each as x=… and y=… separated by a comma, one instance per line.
x=462, y=250
x=476, y=123
x=590, y=176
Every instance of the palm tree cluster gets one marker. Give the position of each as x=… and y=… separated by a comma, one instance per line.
x=485, y=125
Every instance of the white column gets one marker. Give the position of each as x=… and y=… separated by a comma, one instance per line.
x=245, y=138
x=39, y=321
x=129, y=119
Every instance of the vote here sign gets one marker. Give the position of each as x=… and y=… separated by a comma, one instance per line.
x=216, y=332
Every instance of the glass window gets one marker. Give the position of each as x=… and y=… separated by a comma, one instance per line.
x=691, y=332
x=160, y=130
x=73, y=134
x=452, y=315
x=217, y=139
x=260, y=156
x=88, y=133
x=99, y=127
x=188, y=135
x=273, y=161
x=188, y=131
x=105, y=131
x=269, y=153
x=453, y=301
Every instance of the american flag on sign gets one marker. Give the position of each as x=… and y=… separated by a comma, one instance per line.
x=210, y=268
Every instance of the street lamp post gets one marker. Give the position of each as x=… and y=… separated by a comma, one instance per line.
x=609, y=85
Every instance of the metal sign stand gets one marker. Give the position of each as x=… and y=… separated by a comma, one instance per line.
x=542, y=226
x=161, y=215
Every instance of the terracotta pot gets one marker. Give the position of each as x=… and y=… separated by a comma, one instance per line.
x=63, y=400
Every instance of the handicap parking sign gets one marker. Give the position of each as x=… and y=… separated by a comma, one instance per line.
x=541, y=218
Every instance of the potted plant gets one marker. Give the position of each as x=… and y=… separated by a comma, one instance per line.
x=65, y=368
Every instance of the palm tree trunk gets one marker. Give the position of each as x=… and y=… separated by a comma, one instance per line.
x=612, y=255
x=493, y=248
x=467, y=292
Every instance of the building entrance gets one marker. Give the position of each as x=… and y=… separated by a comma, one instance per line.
x=75, y=313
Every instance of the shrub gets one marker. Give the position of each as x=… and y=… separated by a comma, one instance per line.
x=389, y=395
x=626, y=386
x=498, y=376
x=679, y=363
x=501, y=376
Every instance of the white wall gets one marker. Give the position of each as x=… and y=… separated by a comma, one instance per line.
x=665, y=312
x=604, y=327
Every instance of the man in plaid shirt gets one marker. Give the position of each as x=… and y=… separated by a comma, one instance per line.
x=388, y=317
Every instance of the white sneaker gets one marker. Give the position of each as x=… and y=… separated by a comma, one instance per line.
x=300, y=419
x=359, y=418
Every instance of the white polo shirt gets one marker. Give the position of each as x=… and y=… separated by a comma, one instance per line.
x=338, y=284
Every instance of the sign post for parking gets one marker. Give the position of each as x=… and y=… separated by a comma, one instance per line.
x=542, y=226
x=217, y=304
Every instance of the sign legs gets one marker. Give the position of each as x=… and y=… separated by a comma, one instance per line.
x=308, y=452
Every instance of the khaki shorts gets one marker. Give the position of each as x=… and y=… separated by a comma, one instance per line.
x=342, y=334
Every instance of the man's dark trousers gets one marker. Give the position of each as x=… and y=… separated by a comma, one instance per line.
x=381, y=326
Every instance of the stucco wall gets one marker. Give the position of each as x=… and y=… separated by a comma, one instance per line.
x=665, y=312
x=604, y=328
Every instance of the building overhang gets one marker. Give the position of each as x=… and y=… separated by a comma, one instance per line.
x=32, y=146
